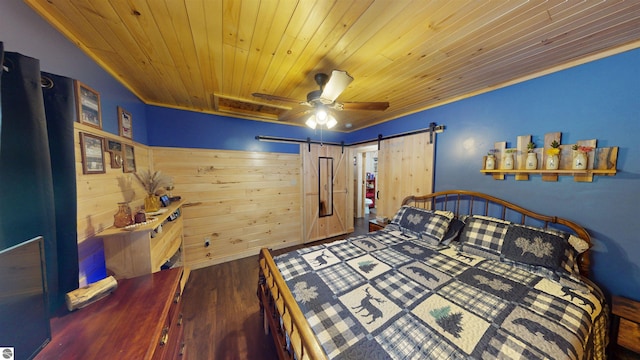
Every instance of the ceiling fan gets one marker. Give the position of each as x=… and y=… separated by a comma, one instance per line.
x=320, y=102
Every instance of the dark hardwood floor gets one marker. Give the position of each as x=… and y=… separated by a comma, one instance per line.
x=222, y=313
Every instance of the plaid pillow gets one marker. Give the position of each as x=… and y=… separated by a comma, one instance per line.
x=484, y=237
x=544, y=251
x=430, y=225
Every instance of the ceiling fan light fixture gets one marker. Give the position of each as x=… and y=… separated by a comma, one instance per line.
x=311, y=122
x=321, y=116
x=331, y=122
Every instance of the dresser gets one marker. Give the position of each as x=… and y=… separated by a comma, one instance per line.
x=141, y=319
x=145, y=248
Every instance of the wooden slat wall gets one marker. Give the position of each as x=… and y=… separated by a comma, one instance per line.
x=341, y=220
x=405, y=167
x=98, y=196
x=242, y=201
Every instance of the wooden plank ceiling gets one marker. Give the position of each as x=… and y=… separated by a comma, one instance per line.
x=211, y=55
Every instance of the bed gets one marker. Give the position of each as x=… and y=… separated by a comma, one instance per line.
x=455, y=275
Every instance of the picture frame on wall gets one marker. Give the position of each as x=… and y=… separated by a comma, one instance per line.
x=129, y=164
x=92, y=149
x=125, y=123
x=88, y=105
x=115, y=149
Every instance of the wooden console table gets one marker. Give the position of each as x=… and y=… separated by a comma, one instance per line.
x=145, y=248
x=141, y=319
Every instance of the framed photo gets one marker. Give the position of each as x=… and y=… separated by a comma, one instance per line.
x=88, y=105
x=124, y=123
x=129, y=164
x=113, y=145
x=115, y=150
x=92, y=148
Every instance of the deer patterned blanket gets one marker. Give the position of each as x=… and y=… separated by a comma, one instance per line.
x=386, y=296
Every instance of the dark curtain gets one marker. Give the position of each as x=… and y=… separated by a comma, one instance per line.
x=59, y=105
x=1, y=72
x=26, y=185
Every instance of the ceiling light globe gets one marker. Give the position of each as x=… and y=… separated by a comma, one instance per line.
x=331, y=122
x=311, y=122
x=321, y=116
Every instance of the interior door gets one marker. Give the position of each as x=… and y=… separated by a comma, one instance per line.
x=328, y=201
x=405, y=167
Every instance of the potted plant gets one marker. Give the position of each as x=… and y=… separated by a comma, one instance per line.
x=553, y=161
x=531, y=162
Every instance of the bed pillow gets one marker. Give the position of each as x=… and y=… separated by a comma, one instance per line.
x=429, y=225
x=453, y=232
x=533, y=248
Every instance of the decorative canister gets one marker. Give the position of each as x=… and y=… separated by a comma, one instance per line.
x=123, y=217
x=553, y=162
x=532, y=161
x=507, y=163
x=490, y=163
x=579, y=160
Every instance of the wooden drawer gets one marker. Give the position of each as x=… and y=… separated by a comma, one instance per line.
x=629, y=335
x=171, y=338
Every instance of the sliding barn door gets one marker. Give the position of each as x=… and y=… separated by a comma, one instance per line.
x=405, y=167
x=328, y=199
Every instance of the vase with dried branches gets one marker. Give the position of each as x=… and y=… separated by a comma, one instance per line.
x=152, y=181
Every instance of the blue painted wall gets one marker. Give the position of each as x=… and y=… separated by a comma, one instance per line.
x=596, y=100
x=179, y=128
x=25, y=32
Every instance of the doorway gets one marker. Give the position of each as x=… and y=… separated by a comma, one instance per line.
x=365, y=175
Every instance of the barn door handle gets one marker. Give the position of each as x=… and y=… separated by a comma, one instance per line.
x=378, y=195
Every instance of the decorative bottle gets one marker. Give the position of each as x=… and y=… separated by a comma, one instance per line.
x=123, y=217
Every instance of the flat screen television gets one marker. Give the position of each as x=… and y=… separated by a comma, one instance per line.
x=24, y=317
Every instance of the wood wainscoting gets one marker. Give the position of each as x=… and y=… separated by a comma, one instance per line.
x=239, y=201
x=98, y=196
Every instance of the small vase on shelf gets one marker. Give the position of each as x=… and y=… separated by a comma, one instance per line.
x=552, y=162
x=532, y=161
x=579, y=160
x=490, y=163
x=151, y=203
x=507, y=162
x=123, y=217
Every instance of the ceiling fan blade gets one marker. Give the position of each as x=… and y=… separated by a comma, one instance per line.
x=275, y=98
x=337, y=83
x=295, y=113
x=371, y=105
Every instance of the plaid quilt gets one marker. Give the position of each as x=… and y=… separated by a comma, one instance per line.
x=389, y=295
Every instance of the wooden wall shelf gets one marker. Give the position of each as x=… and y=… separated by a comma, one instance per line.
x=601, y=161
x=552, y=175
